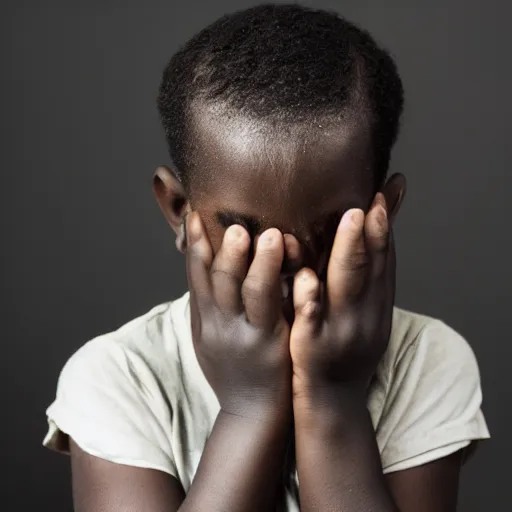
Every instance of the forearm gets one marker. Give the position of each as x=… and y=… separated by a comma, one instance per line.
x=241, y=466
x=338, y=460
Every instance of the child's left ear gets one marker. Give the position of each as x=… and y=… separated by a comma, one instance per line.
x=394, y=192
x=173, y=201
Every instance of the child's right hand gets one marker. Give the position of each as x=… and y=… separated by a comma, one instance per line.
x=240, y=335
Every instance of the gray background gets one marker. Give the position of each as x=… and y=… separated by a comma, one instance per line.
x=85, y=248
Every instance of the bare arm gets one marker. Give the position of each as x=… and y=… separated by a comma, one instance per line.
x=338, y=461
x=103, y=486
x=432, y=487
x=336, y=343
x=240, y=471
x=241, y=342
x=339, y=468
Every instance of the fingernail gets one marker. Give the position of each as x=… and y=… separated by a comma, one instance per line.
x=266, y=238
x=352, y=218
x=310, y=309
x=232, y=234
x=304, y=277
x=193, y=229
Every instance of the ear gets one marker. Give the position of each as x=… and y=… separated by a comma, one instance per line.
x=394, y=192
x=172, y=199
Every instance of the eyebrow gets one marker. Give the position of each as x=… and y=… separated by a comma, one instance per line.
x=227, y=218
x=253, y=225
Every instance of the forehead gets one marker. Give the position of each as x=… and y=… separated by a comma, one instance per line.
x=281, y=172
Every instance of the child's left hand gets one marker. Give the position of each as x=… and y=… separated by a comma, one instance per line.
x=339, y=335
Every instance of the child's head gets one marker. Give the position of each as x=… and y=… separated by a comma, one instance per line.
x=278, y=116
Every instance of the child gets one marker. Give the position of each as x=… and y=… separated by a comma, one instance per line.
x=287, y=361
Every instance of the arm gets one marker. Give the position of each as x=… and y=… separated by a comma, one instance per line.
x=339, y=467
x=431, y=487
x=336, y=343
x=338, y=460
x=100, y=485
x=239, y=471
x=241, y=342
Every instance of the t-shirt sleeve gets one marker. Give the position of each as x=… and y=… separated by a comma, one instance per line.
x=109, y=402
x=433, y=405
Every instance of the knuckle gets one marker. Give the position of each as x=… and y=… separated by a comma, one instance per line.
x=356, y=261
x=195, y=253
x=266, y=252
x=380, y=242
x=359, y=260
x=254, y=288
x=310, y=310
x=220, y=273
x=349, y=328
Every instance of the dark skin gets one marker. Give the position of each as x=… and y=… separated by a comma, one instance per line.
x=264, y=209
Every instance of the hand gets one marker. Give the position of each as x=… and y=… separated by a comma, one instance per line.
x=339, y=336
x=240, y=336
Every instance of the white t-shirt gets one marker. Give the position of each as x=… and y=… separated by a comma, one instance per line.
x=137, y=396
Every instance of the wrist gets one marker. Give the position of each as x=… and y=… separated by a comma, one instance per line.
x=254, y=412
x=273, y=404
x=269, y=427
x=329, y=408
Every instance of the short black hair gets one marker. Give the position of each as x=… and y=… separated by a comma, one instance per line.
x=285, y=64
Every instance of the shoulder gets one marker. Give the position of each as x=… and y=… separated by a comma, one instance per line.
x=150, y=340
x=429, y=342
x=430, y=394
x=426, y=356
x=114, y=394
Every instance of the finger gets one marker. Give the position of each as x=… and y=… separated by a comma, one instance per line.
x=348, y=263
x=376, y=235
x=230, y=268
x=199, y=258
x=293, y=254
x=381, y=295
x=261, y=289
x=307, y=304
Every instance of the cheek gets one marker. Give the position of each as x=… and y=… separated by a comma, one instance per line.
x=215, y=236
x=214, y=231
